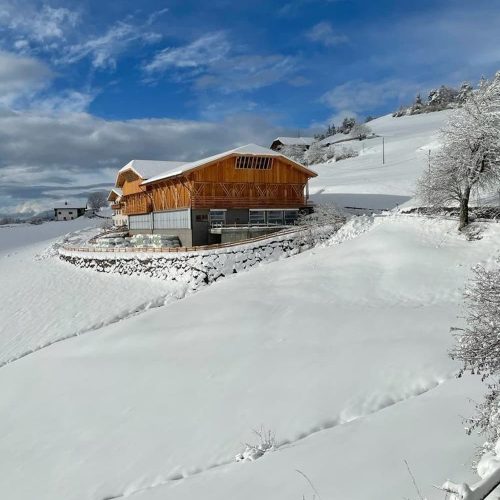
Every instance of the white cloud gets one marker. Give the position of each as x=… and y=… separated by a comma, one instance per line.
x=21, y=77
x=61, y=34
x=67, y=101
x=104, y=50
x=359, y=96
x=324, y=33
x=205, y=51
x=38, y=25
x=211, y=62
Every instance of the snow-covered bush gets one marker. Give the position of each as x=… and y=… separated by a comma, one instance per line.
x=295, y=153
x=344, y=152
x=266, y=442
x=478, y=347
x=315, y=154
x=324, y=215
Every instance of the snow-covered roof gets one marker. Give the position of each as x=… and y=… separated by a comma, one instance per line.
x=334, y=139
x=295, y=141
x=70, y=207
x=249, y=149
x=117, y=192
x=149, y=168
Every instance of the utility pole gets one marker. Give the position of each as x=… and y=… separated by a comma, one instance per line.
x=383, y=150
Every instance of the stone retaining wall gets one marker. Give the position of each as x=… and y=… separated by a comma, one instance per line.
x=200, y=268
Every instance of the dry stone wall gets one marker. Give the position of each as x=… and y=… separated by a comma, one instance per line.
x=197, y=269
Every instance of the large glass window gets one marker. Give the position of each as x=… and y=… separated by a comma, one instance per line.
x=257, y=217
x=275, y=217
x=217, y=217
x=291, y=216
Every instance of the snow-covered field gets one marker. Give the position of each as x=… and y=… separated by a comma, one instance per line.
x=366, y=182
x=341, y=351
x=44, y=299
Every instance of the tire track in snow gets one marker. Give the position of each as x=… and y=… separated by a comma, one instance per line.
x=338, y=421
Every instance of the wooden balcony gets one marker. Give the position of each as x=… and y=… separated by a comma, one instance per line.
x=227, y=202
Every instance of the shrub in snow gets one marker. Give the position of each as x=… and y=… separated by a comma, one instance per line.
x=478, y=347
x=318, y=154
x=266, y=442
x=295, y=153
x=469, y=160
x=344, y=152
x=478, y=344
x=325, y=214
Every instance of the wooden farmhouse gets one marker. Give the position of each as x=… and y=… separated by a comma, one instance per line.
x=231, y=196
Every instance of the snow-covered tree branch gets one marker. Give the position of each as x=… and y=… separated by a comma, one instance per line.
x=478, y=347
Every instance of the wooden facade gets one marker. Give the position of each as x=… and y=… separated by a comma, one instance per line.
x=230, y=182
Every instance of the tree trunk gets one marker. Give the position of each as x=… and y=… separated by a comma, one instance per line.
x=464, y=209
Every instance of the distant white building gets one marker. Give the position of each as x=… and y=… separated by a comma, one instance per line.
x=303, y=142
x=68, y=213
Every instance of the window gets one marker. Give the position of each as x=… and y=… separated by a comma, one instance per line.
x=290, y=216
x=257, y=217
x=202, y=218
x=59, y=213
x=70, y=213
x=275, y=217
x=254, y=162
x=217, y=217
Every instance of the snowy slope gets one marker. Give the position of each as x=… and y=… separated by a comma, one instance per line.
x=367, y=183
x=43, y=299
x=341, y=351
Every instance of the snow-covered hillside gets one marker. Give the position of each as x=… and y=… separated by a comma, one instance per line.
x=364, y=181
x=341, y=351
x=43, y=299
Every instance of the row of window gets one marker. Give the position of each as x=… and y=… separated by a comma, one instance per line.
x=255, y=162
x=273, y=217
x=255, y=217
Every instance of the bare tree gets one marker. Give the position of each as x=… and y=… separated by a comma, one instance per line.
x=361, y=131
x=97, y=200
x=469, y=160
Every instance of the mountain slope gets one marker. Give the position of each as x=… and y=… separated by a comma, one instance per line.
x=366, y=182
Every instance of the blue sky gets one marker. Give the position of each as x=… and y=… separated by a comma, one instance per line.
x=87, y=86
